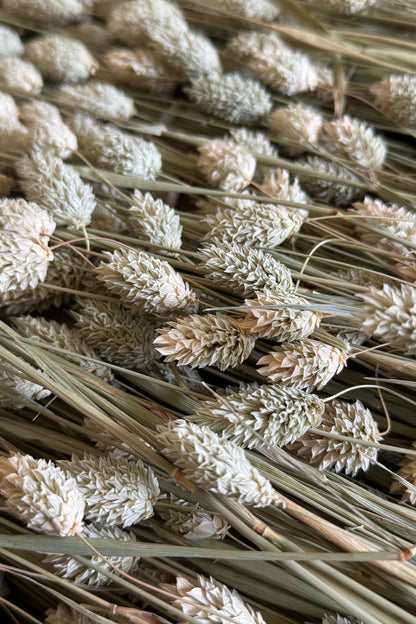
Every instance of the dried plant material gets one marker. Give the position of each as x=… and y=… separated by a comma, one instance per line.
x=8, y=108
x=351, y=420
x=191, y=520
x=58, y=188
x=93, y=34
x=284, y=325
x=407, y=270
x=279, y=66
x=69, y=568
x=389, y=314
x=397, y=220
x=105, y=441
x=356, y=141
x=14, y=387
x=118, y=335
x=64, y=272
x=212, y=602
x=65, y=615
x=46, y=12
x=395, y=97
x=19, y=75
x=253, y=9
x=24, y=235
x=6, y=184
x=263, y=225
x=61, y=335
x=46, y=129
x=110, y=148
x=244, y=270
x=341, y=619
x=106, y=218
x=348, y=7
x=99, y=98
x=407, y=471
x=13, y=135
x=327, y=190
x=305, y=364
x=256, y=415
x=145, y=281
x=141, y=68
x=155, y=221
x=295, y=127
x=209, y=340
x=226, y=164
x=232, y=97
x=276, y=183
x=162, y=25
x=61, y=59
x=254, y=141
x=41, y=495
x=10, y=42
x=214, y=463
x=115, y=490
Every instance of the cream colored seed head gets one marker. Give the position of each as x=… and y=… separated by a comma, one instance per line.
x=209, y=340
x=254, y=415
x=79, y=573
x=14, y=387
x=46, y=12
x=253, y=9
x=348, y=7
x=244, y=270
x=232, y=97
x=116, y=491
x=192, y=521
x=61, y=59
x=58, y=188
x=396, y=96
x=286, y=324
x=9, y=111
x=41, y=495
x=120, y=336
x=155, y=221
x=226, y=164
x=321, y=188
x=19, y=75
x=305, y=364
x=10, y=42
x=99, y=98
x=276, y=183
x=295, y=127
x=356, y=141
x=212, y=602
x=107, y=147
x=351, y=420
x=261, y=225
x=389, y=313
x=145, y=281
x=214, y=463
x=46, y=129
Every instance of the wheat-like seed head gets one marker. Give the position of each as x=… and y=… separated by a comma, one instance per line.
x=226, y=164
x=19, y=75
x=295, y=127
x=99, y=98
x=155, y=221
x=395, y=96
x=209, y=340
x=41, y=495
x=10, y=42
x=357, y=141
x=46, y=12
x=61, y=59
x=338, y=193
x=192, y=521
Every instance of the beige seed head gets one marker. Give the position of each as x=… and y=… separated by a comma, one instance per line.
x=41, y=495
x=120, y=336
x=155, y=221
x=46, y=129
x=19, y=75
x=79, y=573
x=232, y=97
x=61, y=59
x=295, y=127
x=286, y=324
x=209, y=340
x=226, y=164
x=212, y=602
x=244, y=270
x=351, y=420
x=260, y=225
x=10, y=42
x=14, y=387
x=389, y=314
x=99, y=98
x=115, y=490
x=107, y=147
x=145, y=281
x=192, y=521
x=395, y=96
x=305, y=364
x=254, y=415
x=214, y=463
x=356, y=141
x=322, y=188
x=276, y=183
x=46, y=12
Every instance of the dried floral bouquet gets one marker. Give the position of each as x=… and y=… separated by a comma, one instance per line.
x=208, y=311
